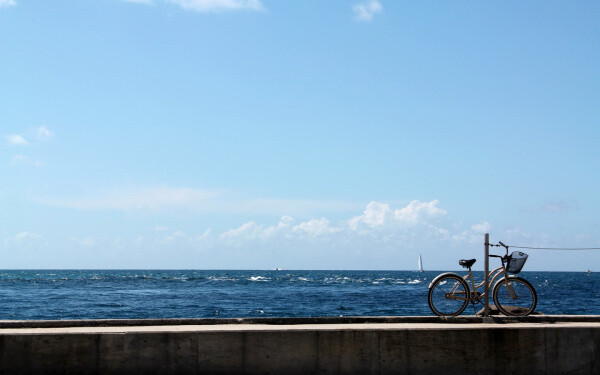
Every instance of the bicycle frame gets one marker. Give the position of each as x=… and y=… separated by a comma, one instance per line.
x=492, y=276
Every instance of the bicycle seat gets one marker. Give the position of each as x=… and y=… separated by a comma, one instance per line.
x=467, y=263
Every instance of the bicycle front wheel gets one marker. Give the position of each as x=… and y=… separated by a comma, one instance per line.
x=514, y=296
x=448, y=295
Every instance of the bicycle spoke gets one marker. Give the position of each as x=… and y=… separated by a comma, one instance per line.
x=448, y=296
x=515, y=296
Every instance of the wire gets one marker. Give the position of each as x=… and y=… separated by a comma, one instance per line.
x=544, y=248
x=555, y=248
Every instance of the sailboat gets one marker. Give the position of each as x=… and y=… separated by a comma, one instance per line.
x=420, y=264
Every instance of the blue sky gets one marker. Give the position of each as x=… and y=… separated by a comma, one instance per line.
x=308, y=135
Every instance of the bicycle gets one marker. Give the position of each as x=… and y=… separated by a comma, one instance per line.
x=449, y=293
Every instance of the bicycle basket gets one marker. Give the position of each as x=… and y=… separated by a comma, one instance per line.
x=516, y=261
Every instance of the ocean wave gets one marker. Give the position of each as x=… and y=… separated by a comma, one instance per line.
x=259, y=278
x=221, y=278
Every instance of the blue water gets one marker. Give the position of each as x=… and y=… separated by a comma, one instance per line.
x=92, y=294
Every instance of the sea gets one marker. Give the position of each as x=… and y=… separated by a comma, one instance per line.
x=140, y=294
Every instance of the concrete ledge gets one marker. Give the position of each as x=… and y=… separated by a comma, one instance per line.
x=290, y=321
x=415, y=345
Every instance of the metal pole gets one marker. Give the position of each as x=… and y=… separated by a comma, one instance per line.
x=486, y=288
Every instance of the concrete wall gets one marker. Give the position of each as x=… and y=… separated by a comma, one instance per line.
x=364, y=349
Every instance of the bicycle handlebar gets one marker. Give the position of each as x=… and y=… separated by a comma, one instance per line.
x=505, y=246
x=500, y=243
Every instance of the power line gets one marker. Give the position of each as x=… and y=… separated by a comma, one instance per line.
x=542, y=248
x=555, y=248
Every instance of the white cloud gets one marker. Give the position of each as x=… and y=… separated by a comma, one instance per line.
x=365, y=11
x=474, y=235
x=417, y=222
x=7, y=3
x=417, y=211
x=379, y=214
x=174, y=236
x=20, y=239
x=195, y=200
x=204, y=235
x=278, y=206
x=374, y=215
x=177, y=239
x=24, y=236
x=42, y=133
x=17, y=140
x=205, y=6
x=247, y=230
x=414, y=225
x=481, y=228
x=381, y=237
x=316, y=227
x=85, y=242
x=284, y=224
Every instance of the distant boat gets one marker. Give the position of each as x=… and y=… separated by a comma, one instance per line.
x=420, y=264
x=277, y=269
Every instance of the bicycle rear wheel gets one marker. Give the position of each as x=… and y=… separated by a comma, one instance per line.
x=514, y=296
x=448, y=295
